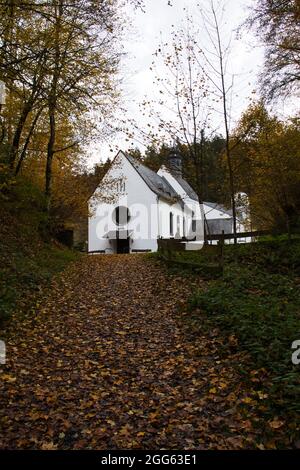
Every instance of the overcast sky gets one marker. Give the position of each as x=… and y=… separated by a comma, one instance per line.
x=155, y=23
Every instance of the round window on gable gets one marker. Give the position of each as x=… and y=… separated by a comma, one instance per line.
x=121, y=215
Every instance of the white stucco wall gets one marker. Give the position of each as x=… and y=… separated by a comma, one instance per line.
x=191, y=208
x=165, y=209
x=140, y=200
x=215, y=214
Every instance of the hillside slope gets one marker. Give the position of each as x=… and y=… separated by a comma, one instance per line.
x=28, y=255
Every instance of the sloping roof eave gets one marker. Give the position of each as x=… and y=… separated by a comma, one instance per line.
x=153, y=180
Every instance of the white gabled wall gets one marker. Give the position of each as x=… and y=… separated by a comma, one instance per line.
x=140, y=200
x=211, y=213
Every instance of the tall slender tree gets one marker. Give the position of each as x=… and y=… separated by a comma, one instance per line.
x=60, y=57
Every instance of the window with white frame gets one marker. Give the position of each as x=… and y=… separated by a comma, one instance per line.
x=121, y=215
x=194, y=227
x=171, y=224
x=178, y=225
x=121, y=186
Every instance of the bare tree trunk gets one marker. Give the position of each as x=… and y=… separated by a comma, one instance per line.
x=202, y=161
x=7, y=46
x=17, y=135
x=50, y=153
x=201, y=164
x=227, y=134
x=24, y=150
x=52, y=102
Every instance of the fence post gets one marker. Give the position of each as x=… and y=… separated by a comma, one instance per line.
x=221, y=243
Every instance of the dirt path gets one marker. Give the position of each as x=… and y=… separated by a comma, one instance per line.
x=104, y=365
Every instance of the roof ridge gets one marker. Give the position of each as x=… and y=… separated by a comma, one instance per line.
x=153, y=180
x=218, y=206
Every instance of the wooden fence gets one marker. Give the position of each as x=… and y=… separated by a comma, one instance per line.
x=230, y=236
x=176, y=244
x=214, y=254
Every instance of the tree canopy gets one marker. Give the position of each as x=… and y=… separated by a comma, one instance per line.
x=277, y=23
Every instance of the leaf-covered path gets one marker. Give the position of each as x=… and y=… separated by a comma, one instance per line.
x=104, y=364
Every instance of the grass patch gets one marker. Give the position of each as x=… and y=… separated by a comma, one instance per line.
x=24, y=277
x=258, y=300
x=205, y=263
x=28, y=259
x=255, y=305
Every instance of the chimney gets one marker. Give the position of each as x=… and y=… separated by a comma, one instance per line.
x=175, y=162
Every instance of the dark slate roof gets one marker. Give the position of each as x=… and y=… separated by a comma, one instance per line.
x=159, y=184
x=156, y=183
x=219, y=207
x=187, y=188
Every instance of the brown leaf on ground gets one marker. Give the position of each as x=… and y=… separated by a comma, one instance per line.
x=104, y=363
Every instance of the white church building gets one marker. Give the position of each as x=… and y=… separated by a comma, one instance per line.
x=134, y=206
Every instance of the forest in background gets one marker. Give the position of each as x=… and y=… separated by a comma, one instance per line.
x=59, y=65
x=60, y=61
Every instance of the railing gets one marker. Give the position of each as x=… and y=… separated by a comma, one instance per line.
x=230, y=236
x=214, y=253
x=177, y=244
